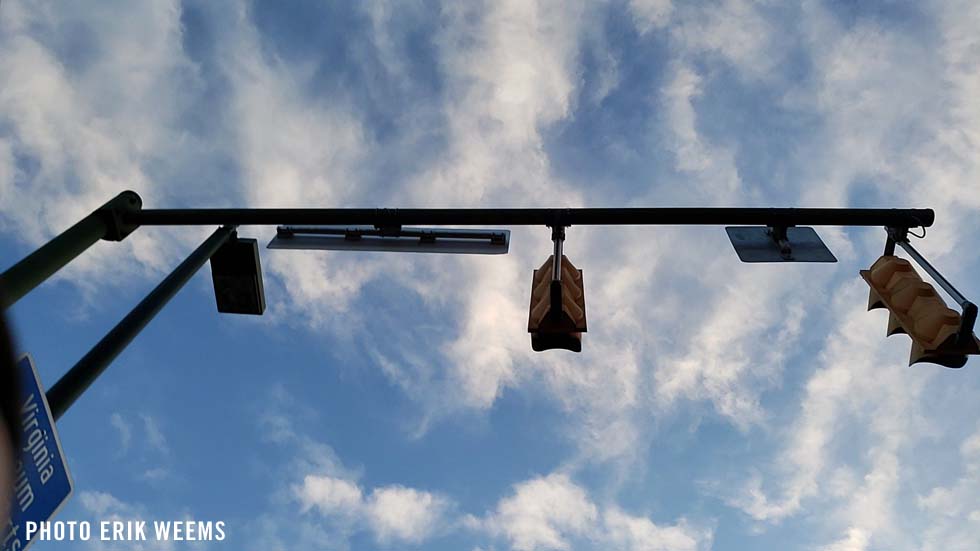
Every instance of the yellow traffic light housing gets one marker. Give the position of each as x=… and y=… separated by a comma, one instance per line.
x=939, y=334
x=557, y=310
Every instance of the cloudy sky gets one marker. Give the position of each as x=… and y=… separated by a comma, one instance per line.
x=393, y=401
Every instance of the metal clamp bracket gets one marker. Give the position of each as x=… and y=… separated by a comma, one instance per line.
x=778, y=235
x=115, y=213
x=558, y=236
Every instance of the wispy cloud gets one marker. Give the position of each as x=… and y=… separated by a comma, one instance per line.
x=392, y=513
x=553, y=512
x=321, y=484
x=124, y=429
x=154, y=436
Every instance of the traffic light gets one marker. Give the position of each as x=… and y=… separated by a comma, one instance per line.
x=915, y=308
x=557, y=311
x=237, y=277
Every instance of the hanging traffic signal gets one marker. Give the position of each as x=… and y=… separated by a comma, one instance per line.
x=915, y=308
x=237, y=276
x=557, y=312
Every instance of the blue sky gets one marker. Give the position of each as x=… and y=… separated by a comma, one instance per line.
x=393, y=401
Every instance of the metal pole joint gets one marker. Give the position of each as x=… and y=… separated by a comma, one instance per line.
x=118, y=215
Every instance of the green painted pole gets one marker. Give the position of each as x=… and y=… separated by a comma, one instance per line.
x=73, y=383
x=104, y=223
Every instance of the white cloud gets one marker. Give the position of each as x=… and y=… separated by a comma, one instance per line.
x=125, y=431
x=154, y=436
x=953, y=511
x=404, y=514
x=294, y=151
x=329, y=495
x=651, y=14
x=79, y=133
x=101, y=503
x=152, y=447
x=738, y=31
x=392, y=513
x=552, y=512
x=855, y=540
x=156, y=474
x=277, y=425
x=713, y=166
x=543, y=512
x=736, y=352
x=837, y=389
x=524, y=81
x=641, y=534
x=848, y=444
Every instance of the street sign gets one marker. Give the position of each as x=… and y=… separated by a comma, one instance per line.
x=42, y=483
x=762, y=244
x=399, y=239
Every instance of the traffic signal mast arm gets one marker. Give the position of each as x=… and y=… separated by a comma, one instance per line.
x=125, y=213
x=392, y=218
x=557, y=317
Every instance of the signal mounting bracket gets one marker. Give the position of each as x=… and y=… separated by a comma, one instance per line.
x=555, y=291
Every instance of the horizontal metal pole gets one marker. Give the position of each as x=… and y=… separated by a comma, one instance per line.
x=904, y=218
x=72, y=384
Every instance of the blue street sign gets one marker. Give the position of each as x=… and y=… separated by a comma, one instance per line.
x=42, y=483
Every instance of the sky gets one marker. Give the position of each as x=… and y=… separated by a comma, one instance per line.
x=392, y=401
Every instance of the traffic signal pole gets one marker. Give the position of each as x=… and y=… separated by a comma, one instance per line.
x=73, y=383
x=104, y=223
